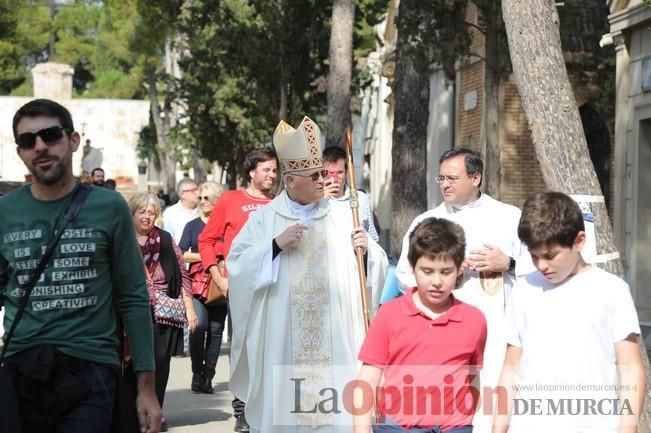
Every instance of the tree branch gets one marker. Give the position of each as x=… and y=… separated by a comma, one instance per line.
x=476, y=27
x=478, y=56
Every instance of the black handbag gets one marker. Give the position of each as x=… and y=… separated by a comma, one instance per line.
x=10, y=419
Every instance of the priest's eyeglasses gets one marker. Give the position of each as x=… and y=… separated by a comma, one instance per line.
x=451, y=179
x=314, y=176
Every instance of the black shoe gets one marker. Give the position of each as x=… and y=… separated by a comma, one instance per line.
x=241, y=425
x=163, y=426
x=197, y=383
x=207, y=387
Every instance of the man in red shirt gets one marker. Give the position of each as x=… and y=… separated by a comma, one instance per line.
x=427, y=345
x=229, y=216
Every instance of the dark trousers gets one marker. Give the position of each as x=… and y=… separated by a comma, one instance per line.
x=238, y=405
x=167, y=340
x=206, y=340
x=390, y=426
x=77, y=398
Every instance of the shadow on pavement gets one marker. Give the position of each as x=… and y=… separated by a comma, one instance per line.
x=183, y=408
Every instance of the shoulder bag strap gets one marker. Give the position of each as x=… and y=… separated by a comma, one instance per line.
x=69, y=215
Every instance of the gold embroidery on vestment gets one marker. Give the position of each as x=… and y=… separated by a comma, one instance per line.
x=311, y=327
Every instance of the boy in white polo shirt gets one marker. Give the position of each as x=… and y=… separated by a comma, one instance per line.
x=573, y=359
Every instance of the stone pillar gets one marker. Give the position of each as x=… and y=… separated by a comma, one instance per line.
x=621, y=206
x=53, y=81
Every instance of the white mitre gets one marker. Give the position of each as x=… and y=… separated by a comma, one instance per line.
x=298, y=149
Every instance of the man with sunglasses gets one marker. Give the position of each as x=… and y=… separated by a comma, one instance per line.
x=231, y=212
x=295, y=297
x=64, y=354
x=492, y=250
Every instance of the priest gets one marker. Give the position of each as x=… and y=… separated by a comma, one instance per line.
x=294, y=287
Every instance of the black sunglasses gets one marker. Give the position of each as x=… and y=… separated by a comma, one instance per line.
x=49, y=135
x=314, y=176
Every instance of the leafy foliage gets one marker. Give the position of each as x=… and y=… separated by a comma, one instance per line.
x=439, y=34
x=93, y=36
x=10, y=62
x=23, y=37
x=435, y=31
x=243, y=59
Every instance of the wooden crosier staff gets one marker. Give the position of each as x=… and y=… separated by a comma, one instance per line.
x=359, y=253
x=354, y=205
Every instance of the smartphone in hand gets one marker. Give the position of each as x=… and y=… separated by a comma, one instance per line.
x=332, y=176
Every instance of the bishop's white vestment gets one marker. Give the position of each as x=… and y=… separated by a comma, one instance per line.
x=298, y=322
x=484, y=221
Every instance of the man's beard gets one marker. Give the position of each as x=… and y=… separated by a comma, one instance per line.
x=98, y=182
x=260, y=186
x=51, y=176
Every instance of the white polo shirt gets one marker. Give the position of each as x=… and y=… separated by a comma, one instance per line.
x=567, y=376
x=175, y=218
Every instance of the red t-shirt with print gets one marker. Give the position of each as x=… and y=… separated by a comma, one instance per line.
x=228, y=217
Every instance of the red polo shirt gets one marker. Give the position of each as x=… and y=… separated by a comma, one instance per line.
x=428, y=363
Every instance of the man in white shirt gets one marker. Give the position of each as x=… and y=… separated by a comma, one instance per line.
x=185, y=210
x=334, y=160
x=492, y=251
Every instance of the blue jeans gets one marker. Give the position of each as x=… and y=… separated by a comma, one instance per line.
x=390, y=426
x=45, y=407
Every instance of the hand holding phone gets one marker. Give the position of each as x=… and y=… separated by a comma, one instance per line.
x=333, y=176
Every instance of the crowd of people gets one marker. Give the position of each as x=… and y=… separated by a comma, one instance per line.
x=500, y=326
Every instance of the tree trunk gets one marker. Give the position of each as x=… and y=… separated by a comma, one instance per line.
x=492, y=171
x=340, y=71
x=200, y=173
x=534, y=42
x=168, y=164
x=284, y=105
x=409, y=151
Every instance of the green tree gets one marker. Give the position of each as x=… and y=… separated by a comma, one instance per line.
x=440, y=35
x=117, y=71
x=248, y=65
x=156, y=43
x=24, y=32
x=10, y=61
x=93, y=36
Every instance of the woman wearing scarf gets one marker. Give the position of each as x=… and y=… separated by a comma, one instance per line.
x=168, y=284
x=205, y=342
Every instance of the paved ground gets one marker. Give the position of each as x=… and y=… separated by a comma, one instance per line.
x=188, y=412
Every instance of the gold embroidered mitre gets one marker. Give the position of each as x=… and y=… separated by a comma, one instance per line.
x=300, y=148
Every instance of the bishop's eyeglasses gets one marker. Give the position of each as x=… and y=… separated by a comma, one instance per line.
x=314, y=176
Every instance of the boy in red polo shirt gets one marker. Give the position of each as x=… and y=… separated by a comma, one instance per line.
x=426, y=346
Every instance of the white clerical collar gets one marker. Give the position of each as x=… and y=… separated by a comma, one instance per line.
x=472, y=204
x=302, y=211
